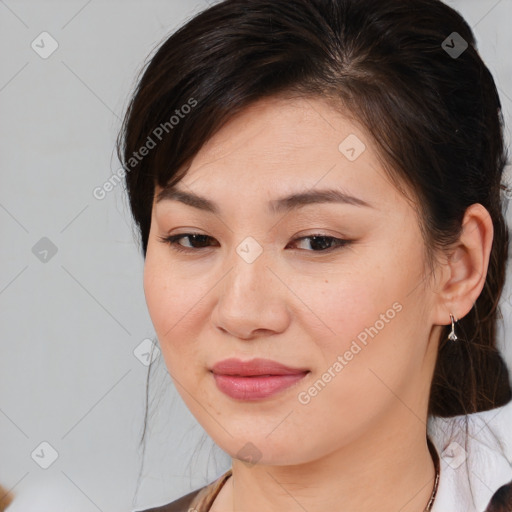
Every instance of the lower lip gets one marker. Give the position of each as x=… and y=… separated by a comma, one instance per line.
x=255, y=388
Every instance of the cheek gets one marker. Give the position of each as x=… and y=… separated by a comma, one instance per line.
x=174, y=304
x=366, y=331
x=368, y=302
x=345, y=304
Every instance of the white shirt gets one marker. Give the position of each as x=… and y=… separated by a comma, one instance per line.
x=471, y=474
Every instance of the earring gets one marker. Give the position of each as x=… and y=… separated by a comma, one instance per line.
x=452, y=336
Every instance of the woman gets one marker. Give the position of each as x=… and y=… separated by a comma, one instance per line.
x=317, y=188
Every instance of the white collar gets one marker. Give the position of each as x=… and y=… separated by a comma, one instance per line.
x=472, y=473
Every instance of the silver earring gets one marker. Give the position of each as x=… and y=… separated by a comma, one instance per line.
x=452, y=336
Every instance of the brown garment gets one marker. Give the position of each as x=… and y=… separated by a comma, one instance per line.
x=199, y=500
x=5, y=499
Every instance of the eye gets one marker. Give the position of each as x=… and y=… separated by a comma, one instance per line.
x=194, y=238
x=197, y=241
x=323, y=243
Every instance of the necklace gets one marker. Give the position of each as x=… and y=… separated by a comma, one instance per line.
x=435, y=457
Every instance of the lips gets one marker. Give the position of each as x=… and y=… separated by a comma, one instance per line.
x=255, y=379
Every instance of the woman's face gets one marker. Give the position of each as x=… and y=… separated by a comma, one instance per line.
x=352, y=320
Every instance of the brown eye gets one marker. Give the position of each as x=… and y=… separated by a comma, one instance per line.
x=196, y=241
x=323, y=243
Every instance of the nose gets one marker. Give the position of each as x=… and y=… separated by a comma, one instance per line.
x=251, y=300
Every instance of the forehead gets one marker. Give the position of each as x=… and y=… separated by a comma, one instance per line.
x=277, y=131
x=280, y=146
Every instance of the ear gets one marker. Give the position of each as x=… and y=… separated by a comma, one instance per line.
x=464, y=272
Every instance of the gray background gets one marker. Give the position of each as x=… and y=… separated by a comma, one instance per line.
x=71, y=321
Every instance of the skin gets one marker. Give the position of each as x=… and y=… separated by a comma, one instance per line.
x=364, y=433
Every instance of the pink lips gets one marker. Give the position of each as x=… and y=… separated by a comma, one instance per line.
x=254, y=379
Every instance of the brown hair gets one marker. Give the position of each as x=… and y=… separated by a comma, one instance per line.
x=435, y=116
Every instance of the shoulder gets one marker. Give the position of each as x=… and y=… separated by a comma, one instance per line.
x=476, y=455
x=199, y=500
x=180, y=505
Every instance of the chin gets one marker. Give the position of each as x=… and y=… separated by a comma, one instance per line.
x=258, y=448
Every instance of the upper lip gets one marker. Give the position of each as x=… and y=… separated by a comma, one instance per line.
x=253, y=367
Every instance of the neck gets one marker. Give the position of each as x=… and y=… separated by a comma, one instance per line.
x=378, y=471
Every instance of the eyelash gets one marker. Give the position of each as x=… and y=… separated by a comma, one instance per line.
x=173, y=240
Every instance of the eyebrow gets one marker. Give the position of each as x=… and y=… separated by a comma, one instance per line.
x=287, y=203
